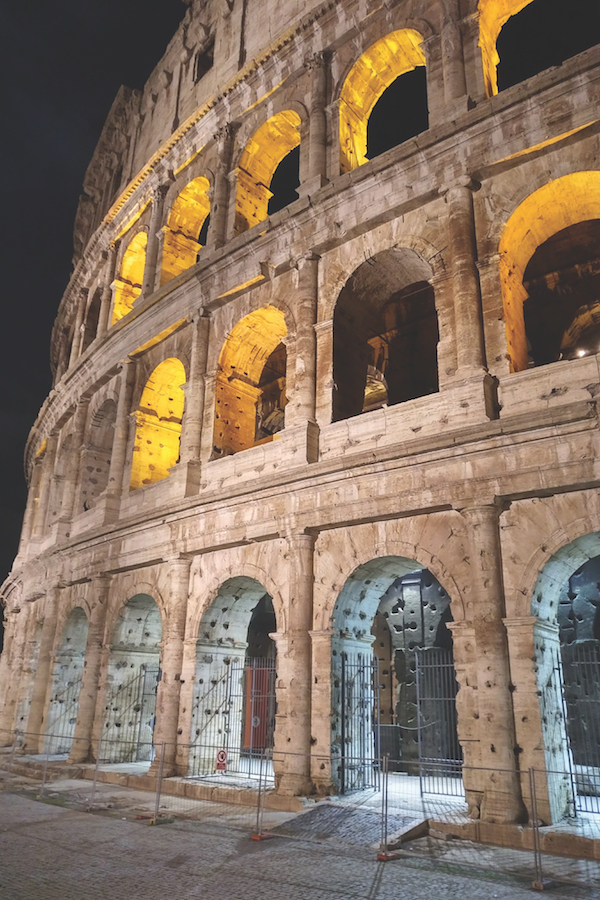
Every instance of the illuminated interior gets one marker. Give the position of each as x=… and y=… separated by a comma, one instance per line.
x=184, y=226
x=128, y=284
x=554, y=208
x=250, y=385
x=385, y=335
x=267, y=147
x=158, y=424
x=377, y=68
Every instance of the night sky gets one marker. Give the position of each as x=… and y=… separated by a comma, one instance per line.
x=62, y=63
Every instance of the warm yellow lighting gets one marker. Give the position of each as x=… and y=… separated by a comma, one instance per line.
x=158, y=424
x=128, y=284
x=543, y=144
x=262, y=154
x=557, y=205
x=493, y=14
x=158, y=338
x=242, y=287
x=186, y=218
x=243, y=357
x=380, y=65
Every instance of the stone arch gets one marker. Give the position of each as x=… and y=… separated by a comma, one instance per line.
x=233, y=704
x=385, y=334
x=241, y=390
x=372, y=73
x=96, y=454
x=132, y=680
x=186, y=223
x=393, y=612
x=567, y=201
x=262, y=153
x=158, y=424
x=129, y=281
x=66, y=680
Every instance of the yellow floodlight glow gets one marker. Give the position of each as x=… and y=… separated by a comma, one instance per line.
x=493, y=14
x=158, y=424
x=380, y=65
x=128, y=284
x=262, y=154
x=186, y=218
x=557, y=205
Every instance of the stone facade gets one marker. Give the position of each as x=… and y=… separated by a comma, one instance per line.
x=311, y=404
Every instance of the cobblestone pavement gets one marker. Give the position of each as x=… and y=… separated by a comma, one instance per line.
x=50, y=852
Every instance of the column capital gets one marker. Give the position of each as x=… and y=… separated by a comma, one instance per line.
x=475, y=510
x=463, y=181
x=317, y=60
x=301, y=262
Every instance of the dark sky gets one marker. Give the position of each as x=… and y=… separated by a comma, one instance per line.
x=61, y=64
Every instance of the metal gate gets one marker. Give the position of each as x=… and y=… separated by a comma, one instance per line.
x=64, y=705
x=235, y=712
x=440, y=754
x=131, y=717
x=359, y=737
x=581, y=688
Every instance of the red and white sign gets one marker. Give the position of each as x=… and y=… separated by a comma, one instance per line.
x=221, y=760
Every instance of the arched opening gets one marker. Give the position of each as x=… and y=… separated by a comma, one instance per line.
x=285, y=182
x=250, y=384
x=185, y=234
x=234, y=696
x=549, y=264
x=385, y=335
x=66, y=684
x=567, y=659
x=519, y=38
x=57, y=485
x=91, y=321
x=266, y=149
x=393, y=680
x=158, y=424
x=133, y=675
x=381, y=68
x=128, y=284
x=95, y=459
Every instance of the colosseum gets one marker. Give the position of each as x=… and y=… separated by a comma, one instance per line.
x=317, y=478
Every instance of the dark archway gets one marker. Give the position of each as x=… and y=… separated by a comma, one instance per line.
x=285, y=181
x=400, y=113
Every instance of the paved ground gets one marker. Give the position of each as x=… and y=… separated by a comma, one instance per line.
x=57, y=852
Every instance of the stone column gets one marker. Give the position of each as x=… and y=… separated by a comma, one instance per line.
x=12, y=673
x=171, y=661
x=324, y=368
x=43, y=672
x=153, y=246
x=467, y=294
x=499, y=783
x=317, y=135
x=48, y=461
x=107, y=290
x=208, y=425
x=118, y=457
x=294, y=669
x=81, y=750
x=72, y=473
x=189, y=452
x=455, y=85
x=303, y=402
x=32, y=504
x=321, y=710
x=220, y=205
x=78, y=329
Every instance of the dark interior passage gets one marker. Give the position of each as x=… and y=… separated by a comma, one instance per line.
x=544, y=34
x=285, y=181
x=399, y=114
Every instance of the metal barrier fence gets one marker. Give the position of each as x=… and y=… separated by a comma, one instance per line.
x=403, y=815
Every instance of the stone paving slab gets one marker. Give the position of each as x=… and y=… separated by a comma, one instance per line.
x=54, y=853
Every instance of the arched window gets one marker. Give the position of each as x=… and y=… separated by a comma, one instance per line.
x=267, y=148
x=185, y=234
x=95, y=460
x=91, y=321
x=128, y=284
x=519, y=38
x=385, y=335
x=250, y=389
x=158, y=424
x=380, y=69
x=549, y=260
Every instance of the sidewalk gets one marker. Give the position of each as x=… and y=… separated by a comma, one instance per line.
x=53, y=850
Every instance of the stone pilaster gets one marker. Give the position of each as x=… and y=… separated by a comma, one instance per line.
x=294, y=670
x=154, y=239
x=455, y=86
x=220, y=203
x=72, y=470
x=110, y=271
x=32, y=505
x=194, y=401
x=48, y=462
x=43, y=672
x=118, y=457
x=171, y=662
x=78, y=329
x=302, y=407
x=324, y=369
x=467, y=295
x=81, y=749
x=499, y=779
x=317, y=135
x=17, y=627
